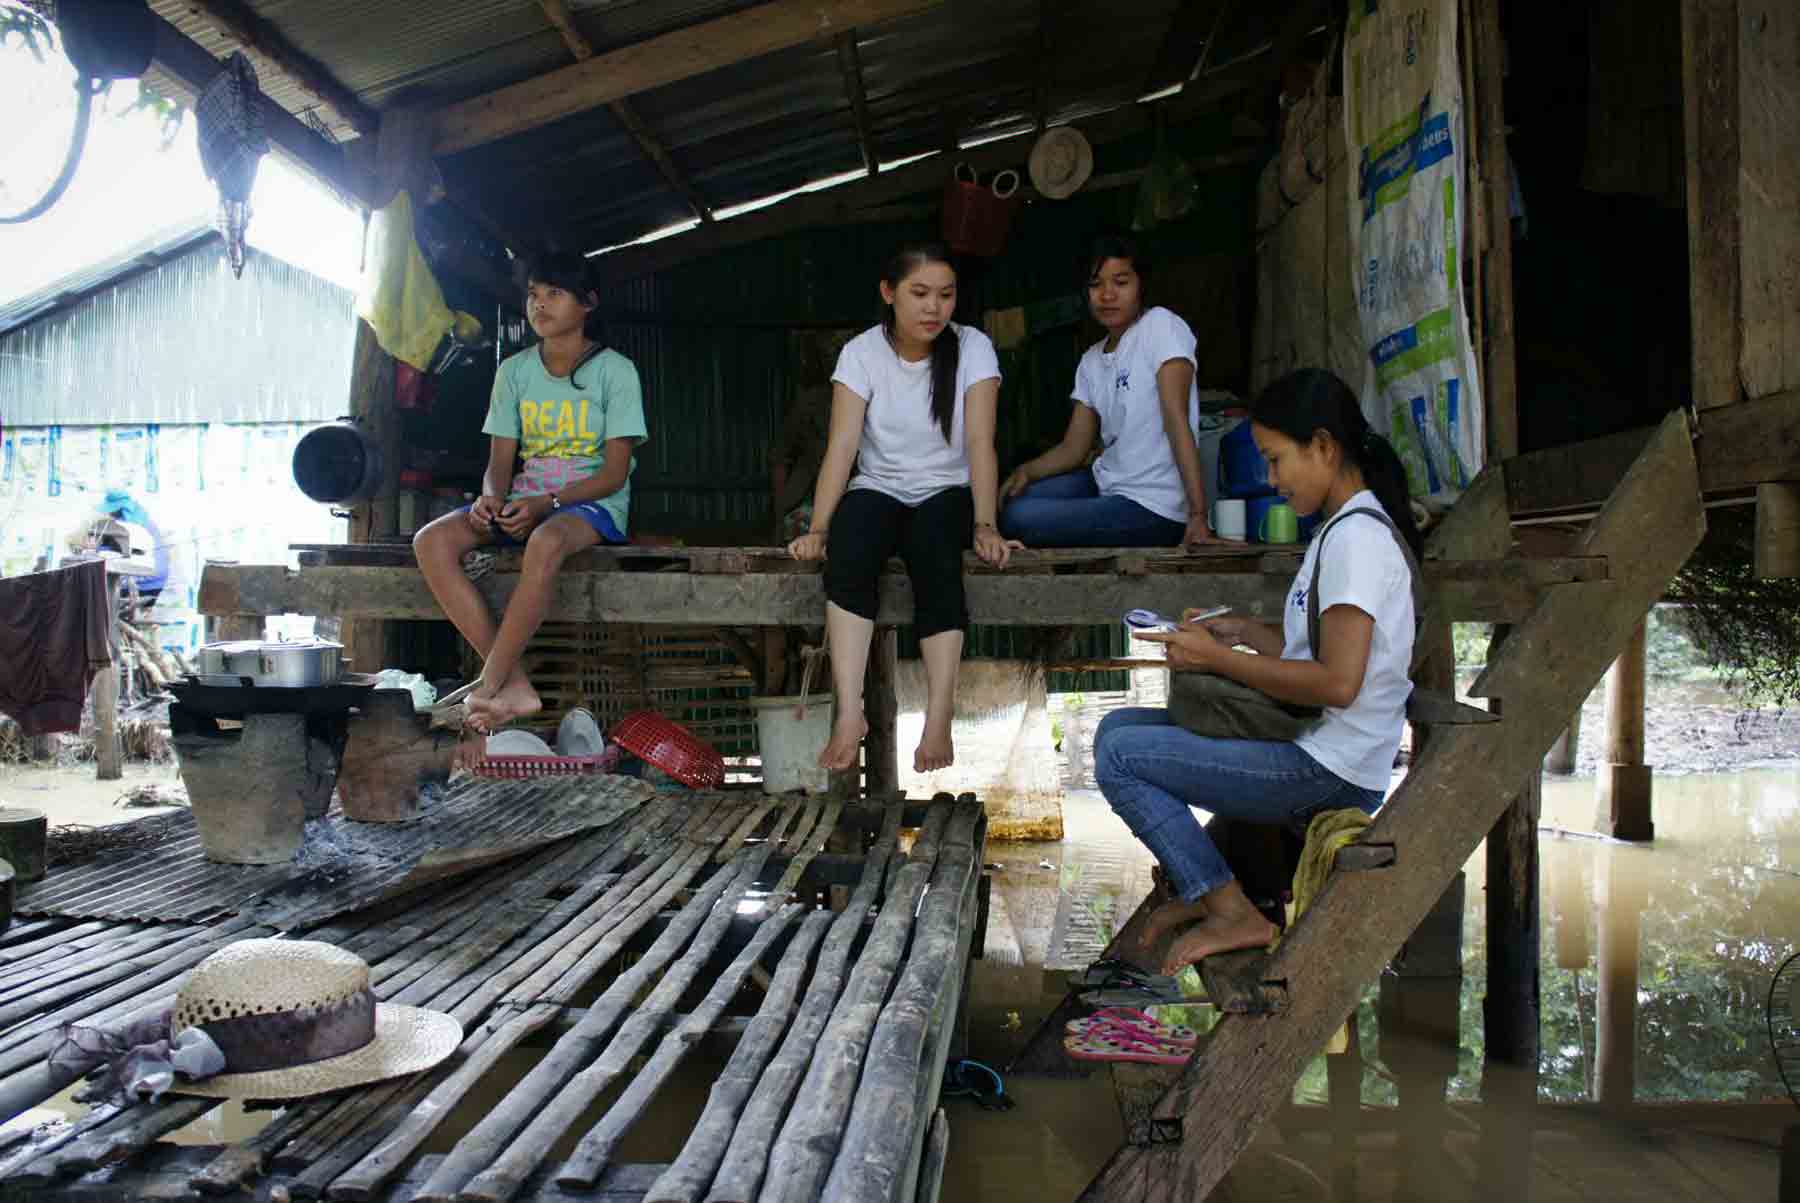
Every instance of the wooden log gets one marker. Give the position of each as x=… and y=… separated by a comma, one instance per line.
x=878, y=1136
x=1619, y=906
x=1439, y=813
x=475, y=1165
x=746, y=1159
x=1237, y=983
x=688, y=1177
x=1510, y=1010
x=807, y=847
x=802, y=1156
x=1343, y=1086
x=1567, y=748
x=24, y=836
x=1713, y=114
x=133, y=1130
x=937, y=1153
x=1777, y=531
x=109, y=752
x=1623, y=780
x=583, y=1168
x=751, y=822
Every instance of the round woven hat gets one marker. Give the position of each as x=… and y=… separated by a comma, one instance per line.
x=285, y=999
x=1061, y=162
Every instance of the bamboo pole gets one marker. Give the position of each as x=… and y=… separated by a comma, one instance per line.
x=688, y=1177
x=883, y=1116
x=741, y=1172
x=802, y=1155
x=807, y=848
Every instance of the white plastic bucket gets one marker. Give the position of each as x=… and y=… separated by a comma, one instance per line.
x=791, y=743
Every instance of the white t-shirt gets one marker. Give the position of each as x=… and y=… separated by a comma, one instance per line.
x=1363, y=568
x=903, y=452
x=1135, y=461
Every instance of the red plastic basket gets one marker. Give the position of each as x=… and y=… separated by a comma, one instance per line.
x=671, y=747
x=520, y=768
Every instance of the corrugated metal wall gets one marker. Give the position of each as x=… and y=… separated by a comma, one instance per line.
x=184, y=343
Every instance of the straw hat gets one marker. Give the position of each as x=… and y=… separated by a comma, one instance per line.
x=274, y=1004
x=1061, y=162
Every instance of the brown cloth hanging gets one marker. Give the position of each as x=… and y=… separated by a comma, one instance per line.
x=55, y=634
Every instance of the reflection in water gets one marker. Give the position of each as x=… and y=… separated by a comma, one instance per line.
x=1655, y=964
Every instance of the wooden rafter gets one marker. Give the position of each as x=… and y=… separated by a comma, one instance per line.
x=1186, y=46
x=237, y=21
x=757, y=31
x=648, y=143
x=850, y=63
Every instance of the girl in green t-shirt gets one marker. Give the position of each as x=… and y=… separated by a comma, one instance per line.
x=574, y=411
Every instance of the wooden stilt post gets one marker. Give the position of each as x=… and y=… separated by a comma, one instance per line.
x=1623, y=782
x=109, y=753
x=1420, y=1032
x=1619, y=907
x=1778, y=530
x=881, y=750
x=1566, y=749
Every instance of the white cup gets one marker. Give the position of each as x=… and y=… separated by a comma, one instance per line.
x=1228, y=518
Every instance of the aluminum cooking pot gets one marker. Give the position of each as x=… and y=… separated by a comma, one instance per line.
x=291, y=665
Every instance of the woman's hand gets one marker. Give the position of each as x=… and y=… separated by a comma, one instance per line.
x=484, y=511
x=1192, y=647
x=520, y=516
x=810, y=546
x=1229, y=630
x=992, y=548
x=1017, y=482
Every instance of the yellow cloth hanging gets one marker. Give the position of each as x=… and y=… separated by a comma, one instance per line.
x=1329, y=831
x=399, y=297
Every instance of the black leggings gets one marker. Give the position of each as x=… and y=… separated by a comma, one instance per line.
x=869, y=527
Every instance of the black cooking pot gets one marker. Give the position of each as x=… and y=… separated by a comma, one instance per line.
x=8, y=887
x=338, y=464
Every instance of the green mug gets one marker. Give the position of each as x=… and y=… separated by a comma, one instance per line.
x=1279, y=525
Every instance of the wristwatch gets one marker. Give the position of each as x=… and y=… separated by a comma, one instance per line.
x=555, y=503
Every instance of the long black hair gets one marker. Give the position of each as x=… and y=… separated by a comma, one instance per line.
x=572, y=273
x=946, y=348
x=1302, y=403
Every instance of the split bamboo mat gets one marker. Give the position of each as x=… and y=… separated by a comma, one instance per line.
x=710, y=902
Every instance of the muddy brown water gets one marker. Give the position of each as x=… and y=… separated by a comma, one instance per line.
x=1709, y=910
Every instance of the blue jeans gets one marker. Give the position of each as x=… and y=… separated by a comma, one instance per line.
x=1152, y=772
x=1068, y=511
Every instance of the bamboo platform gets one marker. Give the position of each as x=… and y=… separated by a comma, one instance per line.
x=662, y=917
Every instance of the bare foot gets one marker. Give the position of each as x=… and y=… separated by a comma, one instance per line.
x=1169, y=916
x=1218, y=933
x=491, y=709
x=935, y=751
x=846, y=734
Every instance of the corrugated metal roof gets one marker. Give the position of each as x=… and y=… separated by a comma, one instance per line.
x=148, y=252
x=745, y=131
x=186, y=342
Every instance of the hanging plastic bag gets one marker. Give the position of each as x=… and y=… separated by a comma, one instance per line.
x=229, y=128
x=977, y=216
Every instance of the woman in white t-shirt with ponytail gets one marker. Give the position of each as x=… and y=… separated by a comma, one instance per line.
x=1134, y=392
x=912, y=410
x=1324, y=458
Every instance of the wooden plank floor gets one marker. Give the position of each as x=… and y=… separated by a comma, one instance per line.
x=685, y=897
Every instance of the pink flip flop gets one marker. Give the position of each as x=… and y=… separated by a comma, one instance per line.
x=1138, y=1024
x=1117, y=1046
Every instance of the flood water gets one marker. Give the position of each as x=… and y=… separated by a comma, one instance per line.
x=1656, y=967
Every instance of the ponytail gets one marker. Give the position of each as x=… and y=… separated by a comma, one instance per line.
x=946, y=348
x=1302, y=403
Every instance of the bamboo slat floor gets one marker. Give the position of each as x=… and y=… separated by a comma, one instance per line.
x=683, y=898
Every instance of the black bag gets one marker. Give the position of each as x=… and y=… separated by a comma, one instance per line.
x=107, y=39
x=1220, y=708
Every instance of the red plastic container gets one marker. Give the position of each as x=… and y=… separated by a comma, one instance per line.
x=671, y=747
x=978, y=216
x=521, y=768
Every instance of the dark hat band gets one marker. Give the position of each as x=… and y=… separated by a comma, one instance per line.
x=284, y=1039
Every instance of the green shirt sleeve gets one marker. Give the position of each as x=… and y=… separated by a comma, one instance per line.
x=503, y=405
x=624, y=401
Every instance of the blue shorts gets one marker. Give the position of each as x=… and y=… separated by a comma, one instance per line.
x=590, y=512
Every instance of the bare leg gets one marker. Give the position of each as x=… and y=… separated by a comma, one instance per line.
x=1231, y=923
x=942, y=654
x=439, y=548
x=505, y=693
x=850, y=636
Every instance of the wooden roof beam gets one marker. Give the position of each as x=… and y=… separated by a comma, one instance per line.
x=1188, y=43
x=850, y=63
x=648, y=143
x=238, y=22
x=685, y=53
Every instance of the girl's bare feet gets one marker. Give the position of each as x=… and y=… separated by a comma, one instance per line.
x=935, y=751
x=846, y=733
x=1169, y=916
x=1231, y=923
x=490, y=710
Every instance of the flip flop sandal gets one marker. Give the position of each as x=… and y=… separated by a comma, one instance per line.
x=1116, y=973
x=1135, y=1023
x=1167, y=993
x=1119, y=1047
